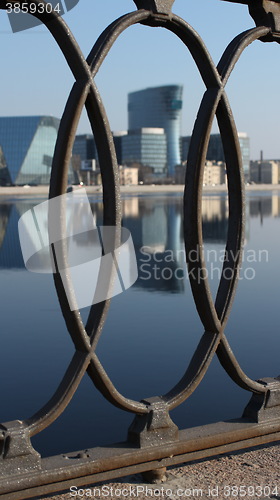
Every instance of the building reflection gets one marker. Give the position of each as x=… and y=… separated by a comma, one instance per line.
x=156, y=225
x=10, y=252
x=265, y=206
x=214, y=218
x=158, y=243
x=275, y=210
x=4, y=218
x=157, y=229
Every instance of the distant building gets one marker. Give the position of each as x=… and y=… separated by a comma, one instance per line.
x=214, y=173
x=159, y=107
x=84, y=159
x=128, y=176
x=180, y=173
x=84, y=147
x=244, y=142
x=264, y=172
x=216, y=152
x=118, y=142
x=148, y=147
x=89, y=165
x=28, y=144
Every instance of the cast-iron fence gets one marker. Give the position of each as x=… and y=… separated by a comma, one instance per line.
x=154, y=441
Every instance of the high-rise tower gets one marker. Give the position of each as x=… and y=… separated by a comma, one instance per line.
x=159, y=107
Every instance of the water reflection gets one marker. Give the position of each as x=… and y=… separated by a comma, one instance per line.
x=215, y=219
x=156, y=225
x=10, y=253
x=265, y=206
x=157, y=236
x=4, y=218
x=144, y=332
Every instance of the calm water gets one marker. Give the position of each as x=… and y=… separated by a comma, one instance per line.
x=152, y=329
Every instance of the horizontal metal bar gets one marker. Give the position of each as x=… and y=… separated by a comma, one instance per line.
x=99, y=464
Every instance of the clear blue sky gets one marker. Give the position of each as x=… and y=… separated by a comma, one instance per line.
x=35, y=79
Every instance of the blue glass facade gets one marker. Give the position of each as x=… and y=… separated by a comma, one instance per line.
x=28, y=146
x=216, y=151
x=84, y=147
x=159, y=107
x=146, y=146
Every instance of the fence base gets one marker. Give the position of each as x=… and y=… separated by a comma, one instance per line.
x=60, y=472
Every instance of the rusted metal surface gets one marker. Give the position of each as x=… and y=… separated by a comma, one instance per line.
x=159, y=6
x=94, y=465
x=265, y=13
x=153, y=439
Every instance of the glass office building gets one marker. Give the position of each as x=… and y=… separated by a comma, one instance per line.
x=216, y=152
x=244, y=142
x=84, y=147
x=146, y=146
x=159, y=107
x=28, y=144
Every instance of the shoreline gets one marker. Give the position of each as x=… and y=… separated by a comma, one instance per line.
x=135, y=190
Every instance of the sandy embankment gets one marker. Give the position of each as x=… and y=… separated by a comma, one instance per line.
x=33, y=191
x=253, y=475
